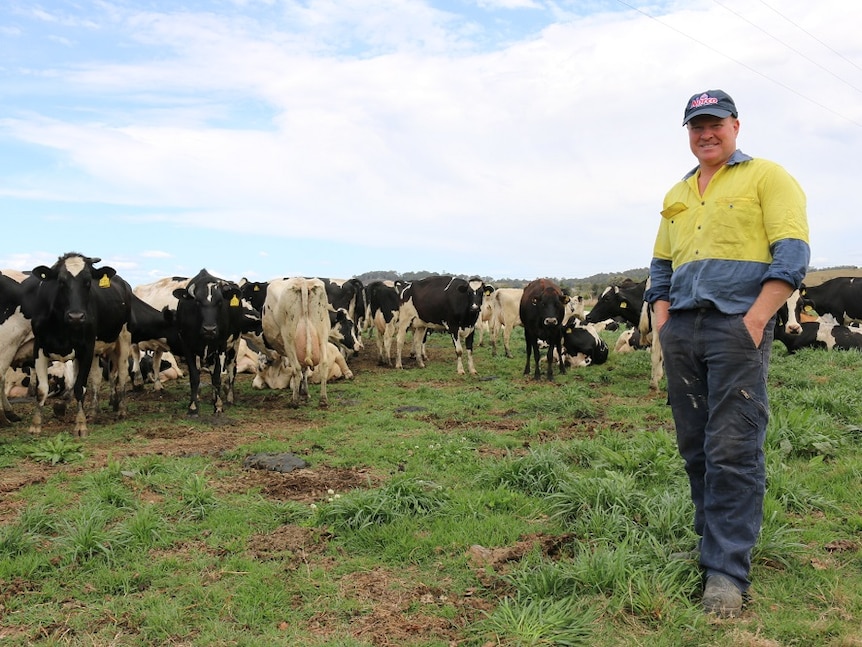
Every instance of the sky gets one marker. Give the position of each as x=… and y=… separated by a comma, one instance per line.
x=500, y=138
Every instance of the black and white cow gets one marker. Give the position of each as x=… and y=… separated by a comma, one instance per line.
x=619, y=301
x=542, y=309
x=383, y=305
x=152, y=331
x=348, y=294
x=444, y=303
x=582, y=344
x=73, y=306
x=840, y=297
x=210, y=319
x=160, y=296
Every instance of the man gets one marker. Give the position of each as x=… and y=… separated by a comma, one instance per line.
x=732, y=245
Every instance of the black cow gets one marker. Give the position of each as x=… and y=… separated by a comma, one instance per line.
x=619, y=301
x=210, y=319
x=73, y=306
x=383, y=305
x=152, y=330
x=542, y=308
x=441, y=303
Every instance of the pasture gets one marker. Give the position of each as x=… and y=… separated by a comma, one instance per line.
x=434, y=510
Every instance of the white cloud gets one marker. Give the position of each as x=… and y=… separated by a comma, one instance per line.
x=382, y=125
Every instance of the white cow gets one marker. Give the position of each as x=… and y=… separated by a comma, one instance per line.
x=505, y=315
x=296, y=325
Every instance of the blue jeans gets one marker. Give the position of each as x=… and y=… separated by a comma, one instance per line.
x=716, y=382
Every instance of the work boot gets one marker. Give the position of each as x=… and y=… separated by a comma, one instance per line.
x=722, y=597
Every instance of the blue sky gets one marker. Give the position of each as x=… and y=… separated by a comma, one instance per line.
x=504, y=138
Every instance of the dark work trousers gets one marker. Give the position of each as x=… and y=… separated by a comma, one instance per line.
x=716, y=383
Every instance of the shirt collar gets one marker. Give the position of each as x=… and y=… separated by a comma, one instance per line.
x=736, y=158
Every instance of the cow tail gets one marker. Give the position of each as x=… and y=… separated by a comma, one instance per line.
x=306, y=315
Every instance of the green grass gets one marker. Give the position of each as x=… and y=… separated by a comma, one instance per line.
x=436, y=510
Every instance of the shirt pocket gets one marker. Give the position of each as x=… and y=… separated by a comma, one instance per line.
x=736, y=220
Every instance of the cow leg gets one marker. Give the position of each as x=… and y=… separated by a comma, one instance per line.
x=94, y=385
x=456, y=341
x=81, y=391
x=399, y=343
x=468, y=344
x=194, y=385
x=550, y=359
x=419, y=335
x=7, y=416
x=218, y=404
x=507, y=337
x=528, y=340
x=562, y=357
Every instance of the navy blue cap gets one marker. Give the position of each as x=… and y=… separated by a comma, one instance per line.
x=712, y=102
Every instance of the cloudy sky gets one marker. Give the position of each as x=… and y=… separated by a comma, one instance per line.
x=504, y=138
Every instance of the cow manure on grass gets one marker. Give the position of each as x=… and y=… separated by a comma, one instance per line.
x=282, y=462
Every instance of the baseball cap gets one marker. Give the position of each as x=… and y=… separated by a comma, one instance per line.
x=711, y=102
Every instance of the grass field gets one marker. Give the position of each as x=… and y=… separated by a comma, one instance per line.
x=433, y=510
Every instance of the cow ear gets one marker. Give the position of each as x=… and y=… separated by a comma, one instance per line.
x=43, y=272
x=462, y=289
x=181, y=293
x=489, y=289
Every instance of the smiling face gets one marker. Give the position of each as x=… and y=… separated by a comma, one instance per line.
x=712, y=139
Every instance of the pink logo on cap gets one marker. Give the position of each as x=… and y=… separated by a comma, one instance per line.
x=702, y=100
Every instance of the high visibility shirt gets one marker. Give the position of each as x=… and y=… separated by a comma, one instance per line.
x=716, y=249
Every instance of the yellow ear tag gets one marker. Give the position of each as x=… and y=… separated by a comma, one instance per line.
x=234, y=302
x=624, y=305
x=809, y=309
x=105, y=281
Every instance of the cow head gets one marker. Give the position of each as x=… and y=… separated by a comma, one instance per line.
x=68, y=284
x=551, y=307
x=209, y=299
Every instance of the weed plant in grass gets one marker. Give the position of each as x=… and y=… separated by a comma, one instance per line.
x=478, y=510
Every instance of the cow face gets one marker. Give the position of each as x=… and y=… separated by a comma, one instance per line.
x=212, y=299
x=67, y=285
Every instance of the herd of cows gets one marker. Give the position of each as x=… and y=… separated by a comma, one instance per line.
x=88, y=322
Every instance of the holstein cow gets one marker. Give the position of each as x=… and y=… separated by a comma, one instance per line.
x=160, y=296
x=348, y=294
x=210, y=320
x=73, y=305
x=582, y=344
x=836, y=301
x=153, y=331
x=383, y=305
x=616, y=301
x=16, y=339
x=795, y=329
x=505, y=315
x=840, y=297
x=542, y=308
x=296, y=325
x=441, y=303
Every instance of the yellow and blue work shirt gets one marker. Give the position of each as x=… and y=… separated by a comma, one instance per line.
x=716, y=249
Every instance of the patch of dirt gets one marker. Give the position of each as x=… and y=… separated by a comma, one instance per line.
x=303, y=485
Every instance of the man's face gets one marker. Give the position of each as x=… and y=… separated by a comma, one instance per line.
x=712, y=139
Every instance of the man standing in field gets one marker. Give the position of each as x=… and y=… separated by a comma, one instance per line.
x=732, y=245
